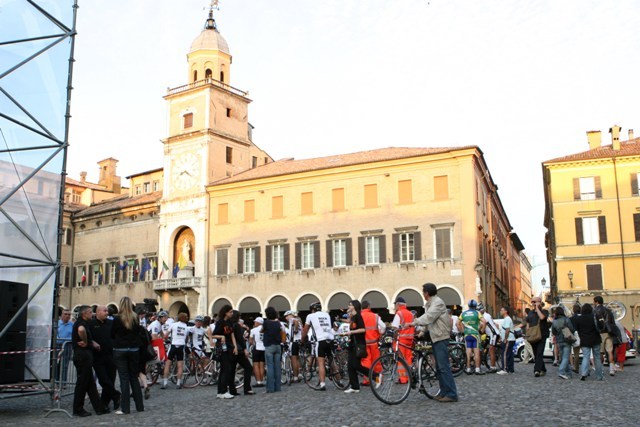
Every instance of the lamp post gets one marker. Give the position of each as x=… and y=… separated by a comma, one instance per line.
x=570, y=276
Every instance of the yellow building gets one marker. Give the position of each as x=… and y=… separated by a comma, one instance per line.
x=593, y=219
x=235, y=226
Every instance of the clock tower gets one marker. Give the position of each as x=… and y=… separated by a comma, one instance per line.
x=209, y=139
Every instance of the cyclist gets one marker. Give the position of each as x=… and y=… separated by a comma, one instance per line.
x=156, y=327
x=255, y=338
x=493, y=332
x=178, y=335
x=196, y=334
x=295, y=332
x=374, y=327
x=473, y=323
x=403, y=322
x=320, y=324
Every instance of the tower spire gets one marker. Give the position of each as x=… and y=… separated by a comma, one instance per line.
x=210, y=23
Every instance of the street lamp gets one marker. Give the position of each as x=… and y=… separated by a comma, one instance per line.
x=543, y=282
x=570, y=276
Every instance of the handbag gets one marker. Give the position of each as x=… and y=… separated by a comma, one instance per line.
x=576, y=343
x=361, y=351
x=533, y=334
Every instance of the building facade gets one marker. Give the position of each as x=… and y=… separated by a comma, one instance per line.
x=221, y=222
x=592, y=215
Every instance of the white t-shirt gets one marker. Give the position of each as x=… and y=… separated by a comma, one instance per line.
x=167, y=326
x=491, y=323
x=343, y=328
x=178, y=333
x=321, y=325
x=507, y=323
x=454, y=319
x=155, y=328
x=256, y=334
x=197, y=336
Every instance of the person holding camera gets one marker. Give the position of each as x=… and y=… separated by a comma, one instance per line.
x=538, y=316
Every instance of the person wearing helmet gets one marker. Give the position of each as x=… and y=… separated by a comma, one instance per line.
x=403, y=321
x=319, y=323
x=196, y=334
x=295, y=333
x=472, y=323
x=258, y=356
x=156, y=327
x=493, y=333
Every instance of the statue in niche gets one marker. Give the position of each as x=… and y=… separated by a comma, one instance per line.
x=186, y=251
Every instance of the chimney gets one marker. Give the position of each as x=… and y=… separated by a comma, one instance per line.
x=630, y=134
x=83, y=176
x=594, y=138
x=615, y=137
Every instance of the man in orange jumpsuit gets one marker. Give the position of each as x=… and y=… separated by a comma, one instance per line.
x=373, y=327
x=405, y=334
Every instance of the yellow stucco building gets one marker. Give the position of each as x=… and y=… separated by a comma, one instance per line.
x=233, y=225
x=593, y=220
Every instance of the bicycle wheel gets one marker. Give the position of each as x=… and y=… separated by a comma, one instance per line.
x=285, y=367
x=388, y=386
x=189, y=376
x=429, y=384
x=310, y=372
x=153, y=372
x=337, y=369
x=457, y=358
x=210, y=373
x=201, y=374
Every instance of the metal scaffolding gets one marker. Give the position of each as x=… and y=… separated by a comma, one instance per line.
x=36, y=68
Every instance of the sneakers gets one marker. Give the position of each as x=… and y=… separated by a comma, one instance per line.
x=469, y=371
x=479, y=372
x=583, y=378
x=379, y=381
x=163, y=386
x=228, y=395
x=445, y=399
x=612, y=372
x=322, y=387
x=119, y=412
x=492, y=371
x=536, y=374
x=352, y=390
x=543, y=373
x=555, y=363
x=503, y=372
x=220, y=395
x=564, y=377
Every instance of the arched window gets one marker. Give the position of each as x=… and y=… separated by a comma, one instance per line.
x=222, y=76
x=195, y=75
x=208, y=73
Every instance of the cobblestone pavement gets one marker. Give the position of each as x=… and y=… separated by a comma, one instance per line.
x=490, y=400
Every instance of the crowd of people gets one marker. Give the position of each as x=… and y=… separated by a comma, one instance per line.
x=105, y=344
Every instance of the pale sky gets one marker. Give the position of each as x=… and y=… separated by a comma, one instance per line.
x=522, y=80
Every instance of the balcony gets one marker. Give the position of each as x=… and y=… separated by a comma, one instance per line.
x=206, y=82
x=180, y=284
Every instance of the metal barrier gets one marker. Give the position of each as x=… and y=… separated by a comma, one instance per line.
x=64, y=381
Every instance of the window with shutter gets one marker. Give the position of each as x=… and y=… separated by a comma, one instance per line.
x=372, y=250
x=306, y=203
x=442, y=238
x=594, y=276
x=308, y=255
x=188, y=120
x=405, y=192
x=371, y=196
x=249, y=265
x=636, y=226
x=222, y=261
x=249, y=210
x=277, y=210
x=339, y=252
x=223, y=213
x=634, y=184
x=441, y=187
x=591, y=232
x=337, y=200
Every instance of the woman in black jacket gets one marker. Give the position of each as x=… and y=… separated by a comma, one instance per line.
x=589, y=341
x=356, y=335
x=126, y=346
x=242, y=356
x=224, y=334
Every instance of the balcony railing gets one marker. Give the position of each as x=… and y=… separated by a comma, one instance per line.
x=205, y=82
x=181, y=283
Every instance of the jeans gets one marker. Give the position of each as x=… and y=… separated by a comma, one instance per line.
x=586, y=351
x=507, y=356
x=538, y=354
x=443, y=369
x=272, y=355
x=565, y=354
x=126, y=360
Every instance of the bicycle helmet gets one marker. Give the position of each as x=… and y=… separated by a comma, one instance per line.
x=200, y=318
x=473, y=304
x=163, y=314
x=316, y=306
x=480, y=306
x=288, y=312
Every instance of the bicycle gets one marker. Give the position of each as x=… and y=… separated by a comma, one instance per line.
x=286, y=366
x=335, y=366
x=209, y=374
x=192, y=370
x=385, y=373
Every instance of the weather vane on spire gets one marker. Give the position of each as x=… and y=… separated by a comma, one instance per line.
x=211, y=23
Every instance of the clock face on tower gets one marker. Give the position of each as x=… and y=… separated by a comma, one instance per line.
x=185, y=171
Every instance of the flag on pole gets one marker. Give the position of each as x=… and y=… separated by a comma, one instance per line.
x=145, y=267
x=84, y=277
x=175, y=270
x=182, y=263
x=165, y=269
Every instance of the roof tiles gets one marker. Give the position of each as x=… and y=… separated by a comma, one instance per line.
x=627, y=148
